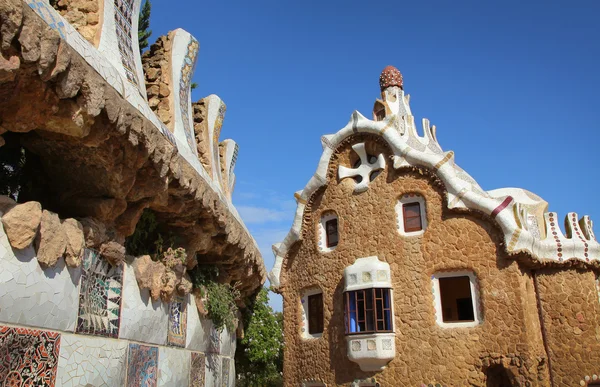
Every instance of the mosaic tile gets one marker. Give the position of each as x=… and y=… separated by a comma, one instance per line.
x=386, y=344
x=28, y=357
x=225, y=370
x=197, y=337
x=99, y=296
x=173, y=367
x=356, y=346
x=123, y=29
x=28, y=291
x=49, y=15
x=142, y=319
x=187, y=71
x=371, y=345
x=177, y=322
x=142, y=366
x=88, y=360
x=197, y=369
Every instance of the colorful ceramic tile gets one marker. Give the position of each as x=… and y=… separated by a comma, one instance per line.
x=225, y=368
x=187, y=71
x=177, y=322
x=28, y=357
x=142, y=366
x=99, y=296
x=197, y=369
x=123, y=29
x=49, y=15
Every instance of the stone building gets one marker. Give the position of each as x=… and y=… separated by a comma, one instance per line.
x=103, y=137
x=399, y=270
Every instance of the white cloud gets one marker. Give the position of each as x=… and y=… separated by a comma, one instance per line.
x=260, y=215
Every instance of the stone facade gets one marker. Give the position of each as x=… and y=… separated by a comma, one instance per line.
x=535, y=319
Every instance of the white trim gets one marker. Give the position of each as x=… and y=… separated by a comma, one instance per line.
x=304, y=313
x=411, y=198
x=474, y=298
x=322, y=240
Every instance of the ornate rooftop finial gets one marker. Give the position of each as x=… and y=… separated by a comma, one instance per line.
x=390, y=76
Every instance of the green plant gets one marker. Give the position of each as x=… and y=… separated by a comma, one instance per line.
x=259, y=357
x=220, y=298
x=139, y=243
x=144, y=31
x=172, y=257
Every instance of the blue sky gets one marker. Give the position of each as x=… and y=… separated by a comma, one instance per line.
x=513, y=89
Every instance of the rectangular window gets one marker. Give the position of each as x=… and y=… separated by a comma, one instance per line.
x=412, y=217
x=315, y=313
x=368, y=311
x=331, y=231
x=380, y=114
x=457, y=300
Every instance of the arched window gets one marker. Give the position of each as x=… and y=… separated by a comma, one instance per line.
x=312, y=324
x=329, y=235
x=411, y=213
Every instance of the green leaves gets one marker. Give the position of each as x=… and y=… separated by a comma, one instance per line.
x=144, y=31
x=259, y=357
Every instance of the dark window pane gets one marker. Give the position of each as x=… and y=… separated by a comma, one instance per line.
x=315, y=313
x=331, y=231
x=457, y=300
x=370, y=320
x=412, y=217
x=372, y=313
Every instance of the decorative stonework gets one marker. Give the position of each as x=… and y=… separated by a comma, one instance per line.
x=28, y=357
x=225, y=370
x=123, y=19
x=187, y=71
x=588, y=380
x=197, y=369
x=368, y=382
x=142, y=366
x=177, y=322
x=364, y=173
x=99, y=296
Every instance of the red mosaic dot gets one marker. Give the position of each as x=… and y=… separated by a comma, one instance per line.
x=552, y=224
x=560, y=254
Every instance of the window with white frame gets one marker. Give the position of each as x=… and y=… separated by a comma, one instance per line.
x=312, y=324
x=328, y=231
x=310, y=383
x=456, y=299
x=411, y=213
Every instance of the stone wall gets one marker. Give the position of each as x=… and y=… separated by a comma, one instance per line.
x=85, y=16
x=425, y=352
x=571, y=317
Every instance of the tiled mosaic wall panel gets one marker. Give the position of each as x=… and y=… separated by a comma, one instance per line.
x=28, y=293
x=28, y=357
x=142, y=366
x=142, y=319
x=86, y=360
x=51, y=356
x=177, y=322
x=99, y=296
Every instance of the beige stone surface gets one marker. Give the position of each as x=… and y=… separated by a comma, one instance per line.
x=21, y=224
x=510, y=334
x=51, y=241
x=571, y=316
x=149, y=275
x=113, y=252
x=75, y=242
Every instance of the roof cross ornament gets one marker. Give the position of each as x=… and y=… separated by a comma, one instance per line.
x=363, y=173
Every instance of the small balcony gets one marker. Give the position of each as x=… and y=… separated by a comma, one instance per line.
x=373, y=351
